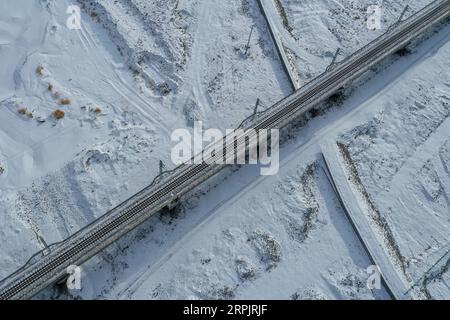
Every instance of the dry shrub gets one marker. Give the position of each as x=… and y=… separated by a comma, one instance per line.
x=50, y=87
x=58, y=114
x=40, y=70
x=65, y=102
x=25, y=112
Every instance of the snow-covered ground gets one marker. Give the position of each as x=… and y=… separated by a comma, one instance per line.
x=130, y=85
x=397, y=160
x=278, y=237
x=314, y=30
x=275, y=237
x=139, y=69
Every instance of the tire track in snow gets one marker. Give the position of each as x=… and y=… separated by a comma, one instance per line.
x=193, y=87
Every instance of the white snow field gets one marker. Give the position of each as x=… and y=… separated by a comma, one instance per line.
x=138, y=69
x=286, y=237
x=313, y=30
x=396, y=160
x=129, y=88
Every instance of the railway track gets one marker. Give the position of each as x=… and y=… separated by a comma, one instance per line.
x=51, y=266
